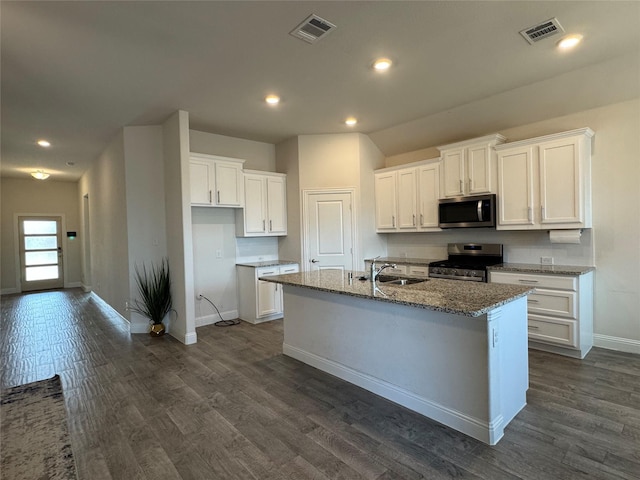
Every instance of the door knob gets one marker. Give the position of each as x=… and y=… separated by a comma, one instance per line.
x=313, y=260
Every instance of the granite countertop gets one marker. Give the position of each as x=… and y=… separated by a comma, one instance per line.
x=537, y=268
x=404, y=261
x=267, y=263
x=471, y=299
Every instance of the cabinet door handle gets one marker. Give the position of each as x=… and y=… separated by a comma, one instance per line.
x=210, y=201
x=461, y=187
x=270, y=226
x=263, y=226
x=530, y=214
x=414, y=219
x=421, y=220
x=218, y=196
x=393, y=221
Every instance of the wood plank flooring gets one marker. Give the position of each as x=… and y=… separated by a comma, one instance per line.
x=233, y=407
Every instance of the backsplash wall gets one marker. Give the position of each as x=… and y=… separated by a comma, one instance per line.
x=519, y=246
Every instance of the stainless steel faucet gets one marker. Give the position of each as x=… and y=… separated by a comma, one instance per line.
x=374, y=273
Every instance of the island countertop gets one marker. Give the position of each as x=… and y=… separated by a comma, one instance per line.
x=471, y=299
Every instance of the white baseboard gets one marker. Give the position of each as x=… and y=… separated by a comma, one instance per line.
x=474, y=427
x=73, y=285
x=616, y=343
x=86, y=288
x=9, y=291
x=211, y=319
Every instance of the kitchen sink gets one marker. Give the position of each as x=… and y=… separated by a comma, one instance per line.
x=391, y=280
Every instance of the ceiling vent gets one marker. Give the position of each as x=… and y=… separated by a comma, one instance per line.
x=542, y=30
x=313, y=29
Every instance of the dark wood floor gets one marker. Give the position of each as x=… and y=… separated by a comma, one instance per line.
x=233, y=407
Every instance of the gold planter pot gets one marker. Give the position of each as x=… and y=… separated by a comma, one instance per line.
x=157, y=330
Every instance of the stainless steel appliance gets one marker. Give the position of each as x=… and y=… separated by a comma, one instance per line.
x=467, y=261
x=465, y=212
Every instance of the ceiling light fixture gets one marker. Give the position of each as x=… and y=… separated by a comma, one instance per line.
x=382, y=64
x=569, y=41
x=44, y=143
x=272, y=99
x=351, y=121
x=40, y=175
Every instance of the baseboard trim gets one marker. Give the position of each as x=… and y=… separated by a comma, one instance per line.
x=487, y=432
x=627, y=345
x=86, y=288
x=211, y=319
x=9, y=291
x=73, y=285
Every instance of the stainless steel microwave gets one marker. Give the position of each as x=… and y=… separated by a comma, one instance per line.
x=466, y=212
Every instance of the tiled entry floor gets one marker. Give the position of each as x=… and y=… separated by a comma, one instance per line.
x=233, y=407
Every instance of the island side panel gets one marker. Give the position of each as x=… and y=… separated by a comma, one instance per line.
x=508, y=364
x=431, y=362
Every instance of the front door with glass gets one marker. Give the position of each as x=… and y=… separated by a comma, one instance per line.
x=40, y=253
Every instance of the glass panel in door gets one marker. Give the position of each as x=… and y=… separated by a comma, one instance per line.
x=40, y=253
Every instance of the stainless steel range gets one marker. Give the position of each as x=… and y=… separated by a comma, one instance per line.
x=467, y=261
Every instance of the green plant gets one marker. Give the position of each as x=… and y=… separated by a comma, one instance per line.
x=154, y=288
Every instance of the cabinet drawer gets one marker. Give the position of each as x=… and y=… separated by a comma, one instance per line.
x=553, y=330
x=553, y=302
x=418, y=271
x=400, y=269
x=289, y=269
x=533, y=280
x=266, y=271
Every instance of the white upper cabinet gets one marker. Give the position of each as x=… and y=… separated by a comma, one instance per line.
x=469, y=167
x=386, y=200
x=216, y=181
x=265, y=210
x=407, y=198
x=545, y=182
x=428, y=196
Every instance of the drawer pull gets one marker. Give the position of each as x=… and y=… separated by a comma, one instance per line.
x=527, y=281
x=532, y=301
x=533, y=327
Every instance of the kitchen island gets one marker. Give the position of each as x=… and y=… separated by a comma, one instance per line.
x=453, y=351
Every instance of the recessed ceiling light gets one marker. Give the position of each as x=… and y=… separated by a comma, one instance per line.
x=40, y=175
x=382, y=64
x=351, y=121
x=44, y=143
x=272, y=99
x=569, y=41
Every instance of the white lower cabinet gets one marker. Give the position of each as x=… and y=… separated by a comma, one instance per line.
x=261, y=301
x=560, y=310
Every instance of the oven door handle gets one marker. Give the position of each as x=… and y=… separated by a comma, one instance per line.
x=480, y=219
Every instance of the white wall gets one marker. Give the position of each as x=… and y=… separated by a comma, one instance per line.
x=613, y=245
x=257, y=155
x=104, y=184
x=175, y=134
x=146, y=226
x=290, y=247
x=37, y=197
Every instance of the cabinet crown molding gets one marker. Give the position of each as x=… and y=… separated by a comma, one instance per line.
x=493, y=139
x=586, y=132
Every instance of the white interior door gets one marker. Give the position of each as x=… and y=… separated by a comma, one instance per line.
x=40, y=253
x=329, y=230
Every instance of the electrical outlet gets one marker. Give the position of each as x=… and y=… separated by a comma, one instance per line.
x=218, y=253
x=546, y=260
x=199, y=296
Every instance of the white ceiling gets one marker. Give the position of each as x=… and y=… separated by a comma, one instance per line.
x=75, y=72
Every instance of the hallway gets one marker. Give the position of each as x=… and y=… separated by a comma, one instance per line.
x=233, y=407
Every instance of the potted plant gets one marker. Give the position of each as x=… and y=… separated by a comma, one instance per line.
x=154, y=289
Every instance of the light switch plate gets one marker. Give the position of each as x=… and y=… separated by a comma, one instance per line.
x=546, y=260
